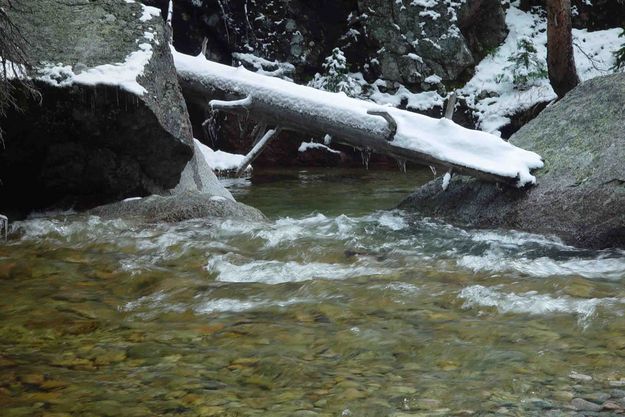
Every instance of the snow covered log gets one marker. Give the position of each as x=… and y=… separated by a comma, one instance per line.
x=439, y=143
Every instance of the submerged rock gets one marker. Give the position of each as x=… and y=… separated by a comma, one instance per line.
x=580, y=195
x=179, y=207
x=111, y=123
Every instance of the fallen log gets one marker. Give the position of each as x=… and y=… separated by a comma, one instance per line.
x=364, y=125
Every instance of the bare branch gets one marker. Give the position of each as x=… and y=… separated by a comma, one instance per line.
x=451, y=106
x=392, y=124
x=258, y=149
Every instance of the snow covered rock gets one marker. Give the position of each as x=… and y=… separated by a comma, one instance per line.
x=112, y=121
x=299, y=32
x=580, y=195
x=410, y=41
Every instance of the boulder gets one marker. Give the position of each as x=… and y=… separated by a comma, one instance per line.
x=111, y=122
x=182, y=206
x=580, y=195
x=409, y=41
x=199, y=176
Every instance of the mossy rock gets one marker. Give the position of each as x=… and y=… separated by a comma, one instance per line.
x=580, y=195
x=80, y=145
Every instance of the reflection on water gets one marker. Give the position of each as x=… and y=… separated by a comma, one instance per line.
x=333, y=307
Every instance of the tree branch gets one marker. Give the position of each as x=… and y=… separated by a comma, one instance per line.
x=392, y=124
x=258, y=149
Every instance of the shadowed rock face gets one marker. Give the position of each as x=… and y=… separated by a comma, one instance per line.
x=411, y=42
x=84, y=145
x=446, y=40
x=580, y=195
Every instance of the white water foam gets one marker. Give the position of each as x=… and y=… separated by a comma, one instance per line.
x=234, y=268
x=233, y=305
x=496, y=261
x=532, y=302
x=149, y=306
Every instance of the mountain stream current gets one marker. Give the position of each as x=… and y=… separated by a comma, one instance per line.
x=334, y=307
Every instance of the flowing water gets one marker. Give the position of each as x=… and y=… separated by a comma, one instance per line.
x=334, y=307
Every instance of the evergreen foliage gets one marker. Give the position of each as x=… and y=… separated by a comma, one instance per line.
x=336, y=76
x=525, y=68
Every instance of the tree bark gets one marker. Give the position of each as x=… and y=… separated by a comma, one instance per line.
x=264, y=110
x=560, y=57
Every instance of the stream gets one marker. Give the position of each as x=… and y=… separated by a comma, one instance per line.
x=337, y=306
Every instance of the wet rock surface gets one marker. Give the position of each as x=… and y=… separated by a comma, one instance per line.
x=179, y=207
x=580, y=194
x=80, y=146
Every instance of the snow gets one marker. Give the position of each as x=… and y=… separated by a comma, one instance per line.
x=247, y=101
x=306, y=146
x=446, y=180
x=123, y=75
x=491, y=92
x=149, y=12
x=413, y=101
x=440, y=138
x=219, y=160
x=433, y=79
x=265, y=67
x=13, y=71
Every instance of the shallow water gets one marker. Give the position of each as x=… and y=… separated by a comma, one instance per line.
x=335, y=307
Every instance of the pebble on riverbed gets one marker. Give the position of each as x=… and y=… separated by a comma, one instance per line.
x=582, y=405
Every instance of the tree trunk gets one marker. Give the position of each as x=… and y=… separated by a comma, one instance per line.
x=560, y=58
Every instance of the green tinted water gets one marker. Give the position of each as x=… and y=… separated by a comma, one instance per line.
x=332, y=308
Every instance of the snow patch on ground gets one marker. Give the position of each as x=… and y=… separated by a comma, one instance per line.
x=491, y=92
x=219, y=160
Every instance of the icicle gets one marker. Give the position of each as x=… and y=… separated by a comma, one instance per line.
x=433, y=169
x=402, y=165
x=4, y=225
x=210, y=127
x=365, y=154
x=327, y=140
